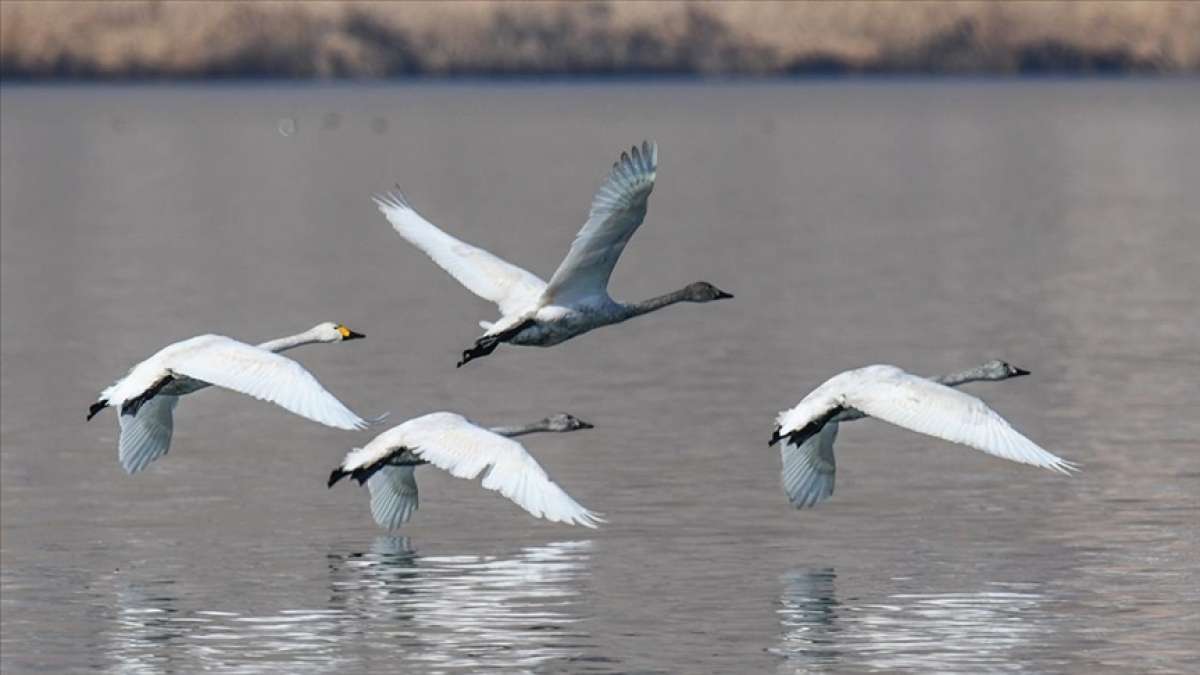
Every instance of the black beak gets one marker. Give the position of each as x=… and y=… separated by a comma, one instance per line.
x=1017, y=372
x=584, y=425
x=354, y=336
x=721, y=295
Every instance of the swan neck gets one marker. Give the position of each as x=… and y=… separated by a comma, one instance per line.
x=285, y=343
x=975, y=374
x=658, y=302
x=520, y=430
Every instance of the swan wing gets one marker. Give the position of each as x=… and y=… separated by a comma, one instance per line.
x=146, y=436
x=267, y=376
x=809, y=468
x=927, y=407
x=491, y=278
x=454, y=444
x=617, y=210
x=394, y=497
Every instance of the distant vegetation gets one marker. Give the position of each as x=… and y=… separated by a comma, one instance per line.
x=153, y=39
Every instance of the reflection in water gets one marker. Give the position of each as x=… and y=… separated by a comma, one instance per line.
x=468, y=610
x=991, y=629
x=388, y=605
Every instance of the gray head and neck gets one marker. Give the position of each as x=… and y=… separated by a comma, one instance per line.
x=562, y=422
x=992, y=371
x=701, y=291
x=322, y=332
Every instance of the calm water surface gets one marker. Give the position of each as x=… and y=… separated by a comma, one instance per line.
x=929, y=225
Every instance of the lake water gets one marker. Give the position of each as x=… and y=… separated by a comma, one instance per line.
x=928, y=225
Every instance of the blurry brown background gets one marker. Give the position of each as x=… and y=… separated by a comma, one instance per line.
x=155, y=39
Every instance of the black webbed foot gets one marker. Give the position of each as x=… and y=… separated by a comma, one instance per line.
x=95, y=408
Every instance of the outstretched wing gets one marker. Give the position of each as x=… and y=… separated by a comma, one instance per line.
x=809, y=468
x=617, y=210
x=394, y=497
x=146, y=436
x=937, y=410
x=453, y=443
x=510, y=287
x=267, y=376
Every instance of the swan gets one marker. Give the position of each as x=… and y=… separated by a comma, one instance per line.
x=576, y=300
x=452, y=442
x=925, y=405
x=147, y=396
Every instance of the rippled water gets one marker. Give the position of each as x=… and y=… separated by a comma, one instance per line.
x=929, y=225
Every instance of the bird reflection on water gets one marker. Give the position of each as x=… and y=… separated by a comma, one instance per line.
x=387, y=604
x=472, y=610
x=952, y=631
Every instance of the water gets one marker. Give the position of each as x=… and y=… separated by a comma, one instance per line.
x=929, y=225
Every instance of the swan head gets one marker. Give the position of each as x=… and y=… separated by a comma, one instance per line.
x=1001, y=370
x=702, y=291
x=334, y=332
x=563, y=422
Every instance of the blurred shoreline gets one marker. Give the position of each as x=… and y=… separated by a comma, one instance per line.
x=151, y=40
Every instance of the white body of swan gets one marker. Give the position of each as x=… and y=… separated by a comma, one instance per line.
x=916, y=403
x=576, y=300
x=465, y=450
x=147, y=396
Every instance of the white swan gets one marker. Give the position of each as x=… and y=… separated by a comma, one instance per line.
x=451, y=442
x=576, y=300
x=147, y=396
x=924, y=405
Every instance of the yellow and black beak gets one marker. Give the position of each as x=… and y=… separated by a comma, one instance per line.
x=348, y=334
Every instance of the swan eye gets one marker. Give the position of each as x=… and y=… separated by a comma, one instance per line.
x=343, y=330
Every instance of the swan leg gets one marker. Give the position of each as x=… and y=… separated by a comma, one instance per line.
x=132, y=406
x=488, y=343
x=95, y=408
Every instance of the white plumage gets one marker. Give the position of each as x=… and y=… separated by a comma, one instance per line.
x=465, y=450
x=146, y=397
x=906, y=400
x=576, y=300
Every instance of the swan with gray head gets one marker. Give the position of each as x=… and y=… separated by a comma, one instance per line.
x=925, y=405
x=453, y=443
x=575, y=300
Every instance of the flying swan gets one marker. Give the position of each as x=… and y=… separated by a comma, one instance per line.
x=451, y=442
x=576, y=300
x=928, y=406
x=147, y=396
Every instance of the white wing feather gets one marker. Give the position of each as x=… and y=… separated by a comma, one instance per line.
x=146, y=436
x=809, y=468
x=452, y=443
x=927, y=407
x=267, y=376
x=618, y=208
x=394, y=497
x=491, y=278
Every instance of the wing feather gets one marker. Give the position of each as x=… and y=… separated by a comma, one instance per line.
x=267, y=376
x=927, y=407
x=809, y=469
x=146, y=436
x=618, y=208
x=512, y=289
x=394, y=497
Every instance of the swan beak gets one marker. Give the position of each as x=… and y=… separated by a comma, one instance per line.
x=1017, y=372
x=585, y=425
x=721, y=295
x=348, y=334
